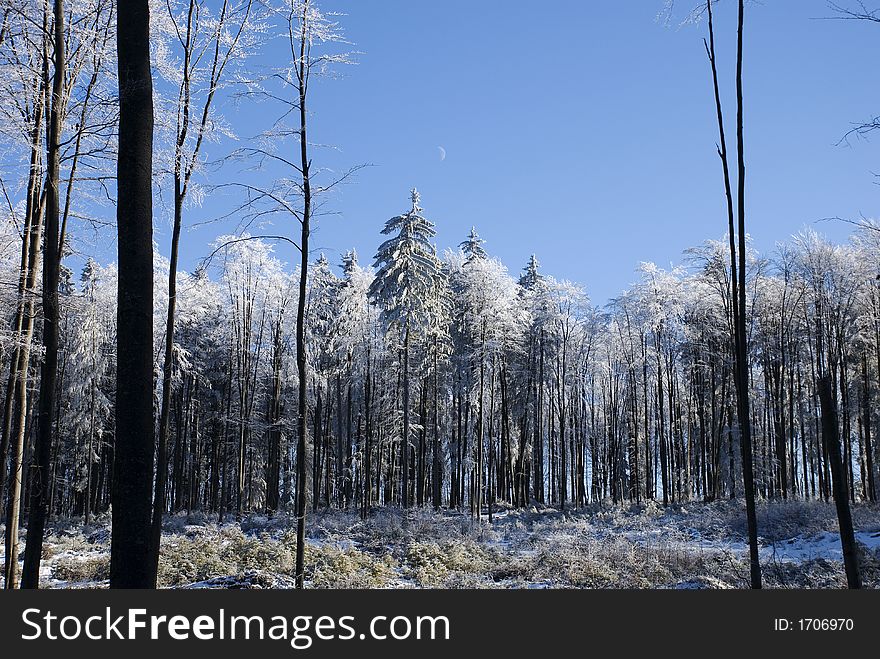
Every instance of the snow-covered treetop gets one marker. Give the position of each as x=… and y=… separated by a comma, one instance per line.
x=473, y=246
x=407, y=268
x=530, y=276
x=349, y=262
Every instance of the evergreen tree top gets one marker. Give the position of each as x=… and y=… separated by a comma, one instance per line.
x=531, y=276
x=473, y=246
x=349, y=259
x=407, y=267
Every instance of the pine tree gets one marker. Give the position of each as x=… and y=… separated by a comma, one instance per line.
x=406, y=282
x=531, y=275
x=473, y=246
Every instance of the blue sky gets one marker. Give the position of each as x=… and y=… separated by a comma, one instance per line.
x=583, y=132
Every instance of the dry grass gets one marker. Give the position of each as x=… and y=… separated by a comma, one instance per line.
x=646, y=546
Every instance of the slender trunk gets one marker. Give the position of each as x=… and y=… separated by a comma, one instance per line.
x=490, y=445
x=368, y=449
x=539, y=426
x=167, y=371
x=478, y=443
x=436, y=480
x=340, y=453
x=30, y=253
x=168, y=361
x=404, y=445
x=15, y=413
x=869, y=449
x=831, y=440
x=301, y=367
x=738, y=282
x=273, y=486
x=742, y=362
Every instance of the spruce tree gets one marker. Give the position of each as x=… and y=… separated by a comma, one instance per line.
x=473, y=246
x=404, y=287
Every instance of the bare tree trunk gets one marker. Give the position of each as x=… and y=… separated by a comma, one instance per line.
x=15, y=411
x=39, y=478
x=30, y=253
x=404, y=445
x=167, y=371
x=742, y=363
x=478, y=440
x=831, y=439
x=273, y=485
x=871, y=490
x=305, y=164
x=437, y=471
x=133, y=459
x=339, y=452
x=368, y=440
x=738, y=283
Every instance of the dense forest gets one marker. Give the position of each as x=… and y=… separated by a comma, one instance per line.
x=282, y=381
x=519, y=387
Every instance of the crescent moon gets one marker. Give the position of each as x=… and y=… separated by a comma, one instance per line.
x=442, y=153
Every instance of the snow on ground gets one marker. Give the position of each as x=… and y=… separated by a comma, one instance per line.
x=825, y=545
x=646, y=546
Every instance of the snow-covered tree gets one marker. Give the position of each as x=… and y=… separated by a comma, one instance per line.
x=405, y=286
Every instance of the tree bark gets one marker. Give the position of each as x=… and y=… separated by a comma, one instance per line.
x=831, y=440
x=404, y=445
x=742, y=363
x=738, y=282
x=302, y=82
x=133, y=459
x=40, y=470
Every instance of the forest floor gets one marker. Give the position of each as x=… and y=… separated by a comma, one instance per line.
x=694, y=545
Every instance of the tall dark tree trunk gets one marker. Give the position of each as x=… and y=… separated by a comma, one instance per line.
x=745, y=420
x=133, y=457
x=40, y=470
x=421, y=448
x=539, y=426
x=437, y=476
x=477, y=491
x=661, y=432
x=738, y=282
x=490, y=446
x=831, y=440
x=404, y=444
x=16, y=408
x=301, y=368
x=317, y=443
x=167, y=371
x=368, y=440
x=339, y=481
x=563, y=486
x=870, y=487
x=273, y=485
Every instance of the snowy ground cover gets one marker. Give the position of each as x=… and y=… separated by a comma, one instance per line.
x=681, y=546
